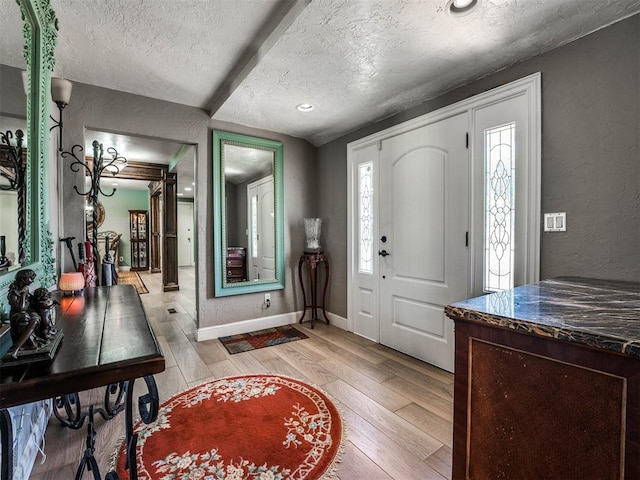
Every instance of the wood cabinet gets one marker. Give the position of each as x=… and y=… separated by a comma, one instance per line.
x=547, y=382
x=139, y=228
x=236, y=264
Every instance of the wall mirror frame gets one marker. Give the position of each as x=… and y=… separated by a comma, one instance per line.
x=40, y=37
x=233, y=152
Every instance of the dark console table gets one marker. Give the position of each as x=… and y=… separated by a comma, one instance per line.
x=107, y=342
x=312, y=260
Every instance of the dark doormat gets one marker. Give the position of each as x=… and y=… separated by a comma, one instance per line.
x=261, y=338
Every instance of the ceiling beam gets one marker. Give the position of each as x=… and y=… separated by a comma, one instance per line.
x=278, y=22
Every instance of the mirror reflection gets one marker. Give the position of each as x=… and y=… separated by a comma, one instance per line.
x=249, y=214
x=13, y=191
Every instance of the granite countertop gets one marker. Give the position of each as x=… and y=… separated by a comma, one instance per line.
x=598, y=313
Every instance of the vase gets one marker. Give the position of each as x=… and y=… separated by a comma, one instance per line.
x=312, y=230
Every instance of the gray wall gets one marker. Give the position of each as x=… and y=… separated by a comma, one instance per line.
x=590, y=158
x=13, y=100
x=109, y=110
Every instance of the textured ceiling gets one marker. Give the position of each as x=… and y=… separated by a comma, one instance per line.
x=251, y=62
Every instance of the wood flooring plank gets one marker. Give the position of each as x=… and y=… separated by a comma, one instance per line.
x=422, y=396
x=431, y=370
x=384, y=396
x=444, y=390
x=304, y=346
x=330, y=330
x=441, y=462
x=55, y=473
x=279, y=366
x=210, y=378
x=316, y=374
x=169, y=382
x=210, y=351
x=428, y=422
x=247, y=364
x=173, y=333
x=266, y=353
x=385, y=451
x=345, y=341
x=359, y=466
x=334, y=351
x=404, y=434
x=185, y=322
x=169, y=359
x=224, y=368
x=189, y=362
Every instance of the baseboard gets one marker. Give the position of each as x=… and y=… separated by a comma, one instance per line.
x=338, y=321
x=246, y=326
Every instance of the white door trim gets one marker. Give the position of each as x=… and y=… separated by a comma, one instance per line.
x=530, y=86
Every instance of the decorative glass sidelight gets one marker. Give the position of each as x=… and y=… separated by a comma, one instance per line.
x=365, y=216
x=499, y=251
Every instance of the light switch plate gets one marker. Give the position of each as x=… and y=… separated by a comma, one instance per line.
x=555, y=222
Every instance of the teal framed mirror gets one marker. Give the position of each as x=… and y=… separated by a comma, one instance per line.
x=40, y=36
x=248, y=214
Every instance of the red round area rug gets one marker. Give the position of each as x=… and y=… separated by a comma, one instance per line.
x=265, y=427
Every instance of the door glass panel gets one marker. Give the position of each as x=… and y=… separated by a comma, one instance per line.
x=499, y=252
x=365, y=216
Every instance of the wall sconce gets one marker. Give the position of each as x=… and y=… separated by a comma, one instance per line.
x=71, y=282
x=61, y=94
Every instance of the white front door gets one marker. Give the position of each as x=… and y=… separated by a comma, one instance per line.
x=417, y=186
x=185, y=234
x=262, y=240
x=424, y=220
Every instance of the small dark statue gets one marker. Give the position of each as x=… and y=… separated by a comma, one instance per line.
x=31, y=315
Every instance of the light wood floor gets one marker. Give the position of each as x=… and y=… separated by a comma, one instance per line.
x=398, y=410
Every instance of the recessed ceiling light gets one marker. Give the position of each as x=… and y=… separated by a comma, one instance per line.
x=460, y=7
x=180, y=194
x=193, y=183
x=304, y=107
x=188, y=189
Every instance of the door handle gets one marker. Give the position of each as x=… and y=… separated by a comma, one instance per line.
x=383, y=253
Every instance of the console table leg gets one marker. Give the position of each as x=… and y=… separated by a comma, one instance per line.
x=88, y=460
x=148, y=406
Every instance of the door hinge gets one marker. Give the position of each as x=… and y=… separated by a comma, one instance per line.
x=466, y=239
x=467, y=141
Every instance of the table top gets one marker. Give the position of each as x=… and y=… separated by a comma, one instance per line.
x=597, y=313
x=107, y=339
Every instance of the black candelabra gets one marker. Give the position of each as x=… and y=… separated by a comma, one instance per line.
x=94, y=171
x=15, y=173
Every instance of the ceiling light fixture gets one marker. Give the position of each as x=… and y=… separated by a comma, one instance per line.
x=460, y=7
x=188, y=189
x=304, y=107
